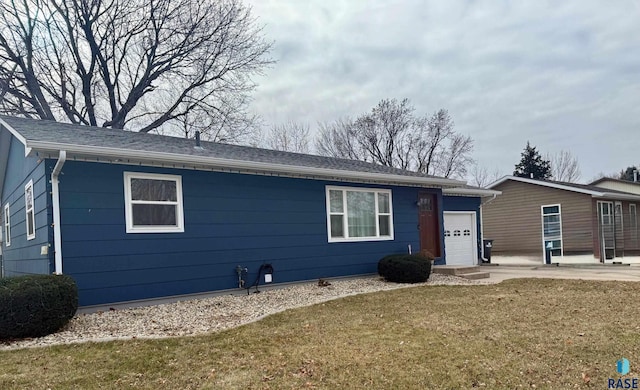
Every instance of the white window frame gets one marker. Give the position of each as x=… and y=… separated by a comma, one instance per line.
x=633, y=218
x=345, y=219
x=7, y=225
x=30, y=214
x=542, y=215
x=179, y=228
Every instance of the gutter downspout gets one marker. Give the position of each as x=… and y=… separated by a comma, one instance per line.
x=483, y=259
x=55, y=198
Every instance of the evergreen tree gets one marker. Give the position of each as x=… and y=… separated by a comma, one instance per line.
x=627, y=174
x=532, y=165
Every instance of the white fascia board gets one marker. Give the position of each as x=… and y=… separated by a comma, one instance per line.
x=18, y=136
x=470, y=192
x=182, y=159
x=619, y=196
x=546, y=184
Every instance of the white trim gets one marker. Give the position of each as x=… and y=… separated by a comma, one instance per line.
x=634, y=231
x=29, y=186
x=345, y=219
x=474, y=232
x=201, y=162
x=7, y=225
x=463, y=191
x=128, y=209
x=542, y=215
x=55, y=198
x=600, y=215
x=16, y=134
x=595, y=194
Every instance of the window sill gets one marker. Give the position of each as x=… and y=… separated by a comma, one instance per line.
x=155, y=230
x=361, y=239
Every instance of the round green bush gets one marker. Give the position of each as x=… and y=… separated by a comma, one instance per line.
x=405, y=268
x=36, y=305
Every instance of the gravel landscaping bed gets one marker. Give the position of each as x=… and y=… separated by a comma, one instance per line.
x=200, y=316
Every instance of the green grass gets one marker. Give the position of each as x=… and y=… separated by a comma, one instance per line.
x=518, y=334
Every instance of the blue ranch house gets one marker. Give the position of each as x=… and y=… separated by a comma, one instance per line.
x=135, y=217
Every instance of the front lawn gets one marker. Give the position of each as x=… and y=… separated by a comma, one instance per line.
x=532, y=333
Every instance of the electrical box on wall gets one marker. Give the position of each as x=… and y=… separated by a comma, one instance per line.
x=44, y=250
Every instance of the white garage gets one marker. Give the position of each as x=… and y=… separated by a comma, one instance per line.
x=460, y=238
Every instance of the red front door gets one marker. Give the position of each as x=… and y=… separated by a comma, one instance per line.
x=429, y=226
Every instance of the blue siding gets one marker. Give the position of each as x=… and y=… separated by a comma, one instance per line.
x=466, y=203
x=23, y=256
x=230, y=220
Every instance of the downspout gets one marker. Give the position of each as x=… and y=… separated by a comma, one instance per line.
x=55, y=198
x=482, y=226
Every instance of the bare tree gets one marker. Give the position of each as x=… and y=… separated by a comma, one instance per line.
x=564, y=167
x=139, y=64
x=289, y=136
x=338, y=139
x=394, y=136
x=481, y=177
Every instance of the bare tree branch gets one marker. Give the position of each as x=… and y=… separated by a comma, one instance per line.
x=392, y=135
x=564, y=167
x=140, y=64
x=290, y=136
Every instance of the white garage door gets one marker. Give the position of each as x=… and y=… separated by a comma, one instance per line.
x=460, y=238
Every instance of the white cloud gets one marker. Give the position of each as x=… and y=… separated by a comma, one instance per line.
x=564, y=75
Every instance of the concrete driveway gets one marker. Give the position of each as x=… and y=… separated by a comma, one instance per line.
x=620, y=273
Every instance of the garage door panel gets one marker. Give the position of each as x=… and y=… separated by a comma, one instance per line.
x=460, y=243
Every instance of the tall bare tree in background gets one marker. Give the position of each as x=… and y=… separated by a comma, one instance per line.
x=564, y=167
x=392, y=135
x=482, y=177
x=139, y=64
x=290, y=136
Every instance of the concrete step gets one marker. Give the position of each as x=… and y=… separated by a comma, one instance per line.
x=455, y=270
x=475, y=275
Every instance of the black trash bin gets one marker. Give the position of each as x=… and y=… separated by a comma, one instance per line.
x=486, y=250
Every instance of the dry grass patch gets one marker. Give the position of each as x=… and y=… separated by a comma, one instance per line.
x=518, y=334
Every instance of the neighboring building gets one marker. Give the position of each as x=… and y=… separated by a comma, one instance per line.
x=133, y=216
x=572, y=223
x=618, y=185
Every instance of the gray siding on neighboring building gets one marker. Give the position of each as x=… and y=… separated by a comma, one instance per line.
x=513, y=220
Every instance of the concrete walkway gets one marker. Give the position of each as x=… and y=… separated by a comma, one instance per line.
x=621, y=273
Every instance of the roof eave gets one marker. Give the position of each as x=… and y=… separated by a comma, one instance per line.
x=213, y=162
x=545, y=184
x=609, y=195
x=470, y=192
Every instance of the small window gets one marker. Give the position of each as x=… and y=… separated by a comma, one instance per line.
x=359, y=214
x=153, y=203
x=447, y=233
x=467, y=232
x=633, y=223
x=456, y=233
x=552, y=229
x=31, y=218
x=7, y=225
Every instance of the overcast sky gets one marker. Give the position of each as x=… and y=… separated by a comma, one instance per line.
x=561, y=74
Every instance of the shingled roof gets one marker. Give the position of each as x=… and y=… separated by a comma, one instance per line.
x=48, y=138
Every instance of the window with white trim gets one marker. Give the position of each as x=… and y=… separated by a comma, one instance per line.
x=7, y=225
x=153, y=203
x=633, y=223
x=359, y=214
x=552, y=229
x=29, y=209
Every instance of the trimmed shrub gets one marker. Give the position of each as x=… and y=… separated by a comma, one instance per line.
x=36, y=305
x=405, y=268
